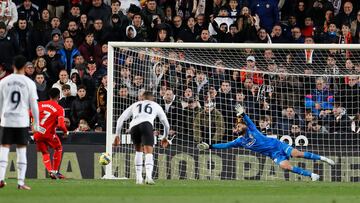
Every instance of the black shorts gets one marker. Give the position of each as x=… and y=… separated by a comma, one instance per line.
x=18, y=136
x=142, y=134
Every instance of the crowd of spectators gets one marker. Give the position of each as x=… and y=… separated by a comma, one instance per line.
x=65, y=42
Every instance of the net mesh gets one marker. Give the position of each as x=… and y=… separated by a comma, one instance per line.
x=308, y=98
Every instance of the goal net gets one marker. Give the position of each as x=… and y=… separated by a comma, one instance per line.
x=305, y=95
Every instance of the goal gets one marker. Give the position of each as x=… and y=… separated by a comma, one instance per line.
x=306, y=95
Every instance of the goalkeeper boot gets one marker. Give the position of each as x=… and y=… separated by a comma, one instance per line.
x=2, y=184
x=315, y=177
x=149, y=181
x=23, y=187
x=60, y=176
x=327, y=160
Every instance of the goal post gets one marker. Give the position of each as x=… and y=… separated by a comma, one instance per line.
x=306, y=95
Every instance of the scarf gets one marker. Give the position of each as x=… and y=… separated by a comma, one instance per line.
x=41, y=87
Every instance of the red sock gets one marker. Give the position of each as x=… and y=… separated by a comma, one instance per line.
x=47, y=162
x=57, y=159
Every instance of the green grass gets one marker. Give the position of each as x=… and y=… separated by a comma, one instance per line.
x=184, y=191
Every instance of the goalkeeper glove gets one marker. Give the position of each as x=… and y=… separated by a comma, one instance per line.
x=239, y=110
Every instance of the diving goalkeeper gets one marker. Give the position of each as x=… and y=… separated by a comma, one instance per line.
x=251, y=138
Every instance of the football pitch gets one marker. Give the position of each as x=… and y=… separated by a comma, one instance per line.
x=184, y=191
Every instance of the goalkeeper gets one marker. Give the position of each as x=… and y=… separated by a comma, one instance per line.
x=251, y=138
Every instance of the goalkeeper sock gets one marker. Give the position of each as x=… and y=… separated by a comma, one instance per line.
x=301, y=171
x=57, y=159
x=309, y=155
x=139, y=165
x=47, y=162
x=149, y=165
x=21, y=164
x=4, y=156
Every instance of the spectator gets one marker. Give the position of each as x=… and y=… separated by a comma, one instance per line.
x=188, y=34
x=56, y=40
x=345, y=38
x=30, y=70
x=124, y=98
x=177, y=26
x=173, y=110
x=355, y=124
x=221, y=18
x=9, y=14
x=234, y=10
x=300, y=13
x=101, y=94
x=163, y=34
x=64, y=79
x=277, y=35
x=296, y=36
x=42, y=30
x=331, y=36
x=41, y=87
x=189, y=113
x=67, y=100
x=140, y=28
x=350, y=95
x=266, y=125
x=28, y=12
x=226, y=104
x=355, y=25
x=73, y=15
x=56, y=8
x=56, y=23
x=347, y=15
x=320, y=98
x=202, y=125
x=53, y=64
x=263, y=36
x=288, y=118
x=3, y=71
x=84, y=24
x=268, y=12
x=115, y=10
x=75, y=33
x=91, y=49
x=117, y=29
x=129, y=6
x=200, y=23
x=82, y=107
x=8, y=43
x=100, y=31
x=309, y=56
x=205, y=37
x=68, y=53
x=83, y=126
x=335, y=120
x=246, y=73
x=151, y=12
x=308, y=30
x=22, y=35
x=100, y=10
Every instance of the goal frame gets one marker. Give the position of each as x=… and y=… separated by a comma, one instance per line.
x=110, y=84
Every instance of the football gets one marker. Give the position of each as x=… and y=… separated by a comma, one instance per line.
x=104, y=158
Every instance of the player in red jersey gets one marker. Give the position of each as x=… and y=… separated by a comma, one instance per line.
x=51, y=117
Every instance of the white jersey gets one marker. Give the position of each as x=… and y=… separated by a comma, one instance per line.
x=17, y=96
x=143, y=111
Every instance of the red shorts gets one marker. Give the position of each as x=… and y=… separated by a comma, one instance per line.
x=43, y=142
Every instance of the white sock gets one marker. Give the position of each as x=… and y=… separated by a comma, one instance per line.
x=149, y=165
x=4, y=156
x=21, y=164
x=138, y=165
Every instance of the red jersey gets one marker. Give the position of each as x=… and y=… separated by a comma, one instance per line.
x=51, y=117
